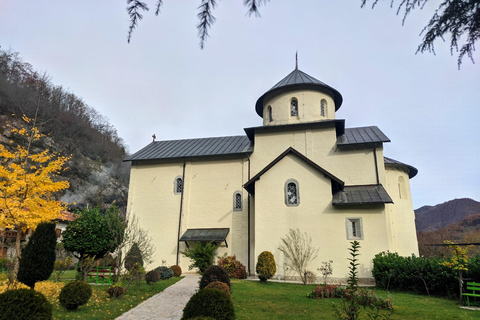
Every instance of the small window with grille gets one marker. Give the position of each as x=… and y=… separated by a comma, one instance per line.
x=178, y=185
x=292, y=196
x=237, y=201
x=294, y=107
x=354, y=228
x=270, y=115
x=323, y=106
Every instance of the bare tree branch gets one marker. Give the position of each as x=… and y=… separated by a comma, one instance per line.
x=133, y=9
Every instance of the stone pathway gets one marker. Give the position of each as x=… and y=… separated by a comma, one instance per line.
x=167, y=304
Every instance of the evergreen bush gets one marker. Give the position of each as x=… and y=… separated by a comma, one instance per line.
x=38, y=256
x=235, y=269
x=133, y=256
x=177, y=270
x=212, y=274
x=74, y=295
x=201, y=255
x=24, y=304
x=152, y=276
x=209, y=303
x=217, y=285
x=165, y=272
x=266, y=267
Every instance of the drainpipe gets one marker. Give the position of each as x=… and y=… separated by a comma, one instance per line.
x=376, y=164
x=180, y=215
x=248, y=204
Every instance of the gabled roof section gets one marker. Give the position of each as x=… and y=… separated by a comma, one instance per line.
x=361, y=136
x=412, y=171
x=361, y=195
x=300, y=80
x=189, y=148
x=337, y=184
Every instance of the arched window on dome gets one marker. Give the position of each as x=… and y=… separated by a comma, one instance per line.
x=294, y=107
x=292, y=195
x=323, y=107
x=178, y=185
x=402, y=189
x=270, y=114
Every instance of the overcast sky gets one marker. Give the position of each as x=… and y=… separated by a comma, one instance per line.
x=163, y=84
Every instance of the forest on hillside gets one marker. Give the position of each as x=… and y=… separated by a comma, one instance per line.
x=95, y=171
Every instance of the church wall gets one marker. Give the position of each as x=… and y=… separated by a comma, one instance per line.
x=309, y=107
x=152, y=200
x=355, y=167
x=316, y=216
x=403, y=235
x=208, y=193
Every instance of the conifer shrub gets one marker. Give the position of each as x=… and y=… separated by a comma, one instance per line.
x=266, y=267
x=212, y=274
x=177, y=270
x=217, y=285
x=235, y=269
x=74, y=295
x=115, y=291
x=152, y=276
x=24, y=304
x=165, y=272
x=134, y=256
x=209, y=303
x=38, y=256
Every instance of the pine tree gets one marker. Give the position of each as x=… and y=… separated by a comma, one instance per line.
x=38, y=256
x=134, y=256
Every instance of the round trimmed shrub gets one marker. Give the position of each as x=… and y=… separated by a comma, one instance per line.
x=212, y=274
x=235, y=269
x=266, y=267
x=152, y=276
x=24, y=304
x=177, y=270
x=74, y=295
x=115, y=291
x=165, y=272
x=202, y=318
x=217, y=285
x=209, y=303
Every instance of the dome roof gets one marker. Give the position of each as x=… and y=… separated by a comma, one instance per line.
x=299, y=80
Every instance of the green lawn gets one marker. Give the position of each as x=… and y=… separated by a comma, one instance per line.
x=67, y=275
x=102, y=307
x=253, y=300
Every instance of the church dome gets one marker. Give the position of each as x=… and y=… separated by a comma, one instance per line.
x=299, y=80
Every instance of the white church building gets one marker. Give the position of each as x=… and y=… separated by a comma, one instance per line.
x=302, y=168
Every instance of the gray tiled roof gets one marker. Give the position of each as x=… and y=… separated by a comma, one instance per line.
x=187, y=148
x=361, y=195
x=361, y=135
x=209, y=234
x=412, y=171
x=298, y=78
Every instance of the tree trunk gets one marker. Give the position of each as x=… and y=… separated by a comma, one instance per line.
x=18, y=252
x=460, y=285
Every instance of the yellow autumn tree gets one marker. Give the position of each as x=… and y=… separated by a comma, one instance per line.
x=28, y=183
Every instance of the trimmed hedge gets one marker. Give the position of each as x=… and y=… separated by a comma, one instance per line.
x=209, y=303
x=24, y=304
x=416, y=274
x=212, y=274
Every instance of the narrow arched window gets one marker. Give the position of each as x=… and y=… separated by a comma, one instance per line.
x=292, y=195
x=270, y=115
x=402, y=190
x=237, y=201
x=178, y=185
x=323, y=107
x=294, y=107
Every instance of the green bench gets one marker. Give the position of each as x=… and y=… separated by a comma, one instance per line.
x=101, y=275
x=475, y=288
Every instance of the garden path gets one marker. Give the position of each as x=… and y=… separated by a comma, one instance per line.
x=167, y=304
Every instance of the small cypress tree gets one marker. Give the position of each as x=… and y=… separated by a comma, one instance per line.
x=134, y=256
x=38, y=256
